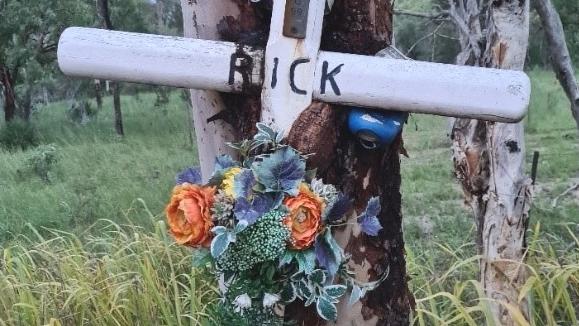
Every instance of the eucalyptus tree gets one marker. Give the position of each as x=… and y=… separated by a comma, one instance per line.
x=29, y=31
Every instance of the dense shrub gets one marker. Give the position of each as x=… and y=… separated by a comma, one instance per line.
x=42, y=160
x=18, y=134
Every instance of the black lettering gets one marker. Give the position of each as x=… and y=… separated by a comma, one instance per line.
x=330, y=77
x=274, y=77
x=241, y=63
x=295, y=89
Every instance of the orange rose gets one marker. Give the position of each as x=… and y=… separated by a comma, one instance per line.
x=189, y=214
x=304, y=219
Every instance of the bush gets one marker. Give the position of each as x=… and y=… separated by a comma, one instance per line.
x=18, y=134
x=42, y=160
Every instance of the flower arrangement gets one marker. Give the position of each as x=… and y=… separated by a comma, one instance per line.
x=264, y=226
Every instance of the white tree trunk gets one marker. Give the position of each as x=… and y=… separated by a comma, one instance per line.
x=489, y=161
x=200, y=19
x=560, y=57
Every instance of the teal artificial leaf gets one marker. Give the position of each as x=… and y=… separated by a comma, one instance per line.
x=356, y=294
x=220, y=244
x=335, y=291
x=287, y=258
x=241, y=226
x=310, y=300
x=306, y=261
x=200, y=258
x=281, y=172
x=317, y=277
x=305, y=290
x=219, y=230
x=288, y=293
x=326, y=309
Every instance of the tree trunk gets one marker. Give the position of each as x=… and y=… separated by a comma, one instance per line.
x=117, y=107
x=98, y=90
x=105, y=18
x=489, y=161
x=9, y=96
x=354, y=26
x=560, y=57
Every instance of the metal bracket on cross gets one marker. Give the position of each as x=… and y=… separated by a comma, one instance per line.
x=292, y=71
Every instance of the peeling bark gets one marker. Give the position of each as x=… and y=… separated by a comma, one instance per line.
x=354, y=26
x=360, y=27
x=560, y=57
x=489, y=162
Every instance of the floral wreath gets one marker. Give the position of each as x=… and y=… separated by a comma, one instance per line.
x=264, y=227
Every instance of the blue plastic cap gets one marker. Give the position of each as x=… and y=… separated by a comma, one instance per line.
x=376, y=128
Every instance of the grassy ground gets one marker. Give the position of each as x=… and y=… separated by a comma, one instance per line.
x=127, y=181
x=98, y=175
x=432, y=200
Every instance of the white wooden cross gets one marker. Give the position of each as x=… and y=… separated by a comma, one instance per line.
x=292, y=71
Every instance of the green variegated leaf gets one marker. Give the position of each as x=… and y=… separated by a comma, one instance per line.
x=318, y=277
x=335, y=291
x=289, y=293
x=305, y=290
x=310, y=300
x=326, y=309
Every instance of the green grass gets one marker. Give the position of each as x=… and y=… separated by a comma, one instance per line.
x=104, y=270
x=99, y=175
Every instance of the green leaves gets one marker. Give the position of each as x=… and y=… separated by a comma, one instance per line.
x=220, y=244
x=326, y=309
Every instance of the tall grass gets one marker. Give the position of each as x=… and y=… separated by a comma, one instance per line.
x=128, y=276
x=122, y=276
x=98, y=174
x=453, y=296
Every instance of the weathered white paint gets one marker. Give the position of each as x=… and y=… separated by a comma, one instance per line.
x=200, y=19
x=412, y=86
x=151, y=59
x=280, y=105
x=423, y=87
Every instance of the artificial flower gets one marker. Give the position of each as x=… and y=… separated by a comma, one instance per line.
x=229, y=181
x=304, y=218
x=270, y=299
x=241, y=303
x=189, y=214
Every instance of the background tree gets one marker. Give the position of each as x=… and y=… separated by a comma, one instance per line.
x=559, y=52
x=29, y=32
x=106, y=23
x=489, y=157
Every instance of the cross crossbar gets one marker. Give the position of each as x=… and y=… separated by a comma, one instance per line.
x=381, y=83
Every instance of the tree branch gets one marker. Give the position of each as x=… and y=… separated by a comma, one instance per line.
x=560, y=57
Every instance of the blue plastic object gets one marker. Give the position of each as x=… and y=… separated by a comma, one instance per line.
x=376, y=129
